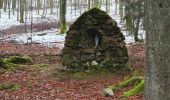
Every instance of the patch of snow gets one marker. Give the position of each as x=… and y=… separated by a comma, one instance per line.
x=48, y=39
x=52, y=36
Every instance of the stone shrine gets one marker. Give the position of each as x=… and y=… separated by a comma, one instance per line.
x=94, y=39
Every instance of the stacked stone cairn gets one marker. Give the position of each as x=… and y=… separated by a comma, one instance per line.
x=94, y=39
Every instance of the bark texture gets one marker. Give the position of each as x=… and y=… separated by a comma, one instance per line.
x=157, y=76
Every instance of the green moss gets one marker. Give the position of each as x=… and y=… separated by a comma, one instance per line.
x=67, y=58
x=129, y=81
x=79, y=75
x=2, y=71
x=63, y=28
x=39, y=66
x=137, y=89
x=21, y=67
x=108, y=64
x=5, y=66
x=6, y=70
x=11, y=63
x=19, y=60
x=125, y=83
x=94, y=68
x=9, y=86
x=2, y=63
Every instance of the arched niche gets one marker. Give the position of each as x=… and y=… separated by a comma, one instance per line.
x=93, y=38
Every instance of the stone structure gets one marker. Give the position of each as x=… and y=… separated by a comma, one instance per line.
x=94, y=38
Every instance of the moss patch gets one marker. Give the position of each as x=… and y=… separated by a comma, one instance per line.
x=39, y=66
x=125, y=83
x=63, y=28
x=14, y=63
x=9, y=86
x=137, y=89
x=19, y=60
x=79, y=75
x=2, y=63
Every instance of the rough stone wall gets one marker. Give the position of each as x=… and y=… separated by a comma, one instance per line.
x=94, y=37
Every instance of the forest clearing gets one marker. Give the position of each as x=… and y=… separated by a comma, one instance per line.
x=84, y=50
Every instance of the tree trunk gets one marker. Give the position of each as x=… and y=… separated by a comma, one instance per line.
x=63, y=16
x=107, y=6
x=21, y=11
x=157, y=75
x=136, y=30
x=5, y=5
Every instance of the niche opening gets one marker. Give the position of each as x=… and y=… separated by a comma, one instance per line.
x=93, y=38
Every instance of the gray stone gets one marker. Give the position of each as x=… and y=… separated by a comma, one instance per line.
x=94, y=36
x=107, y=92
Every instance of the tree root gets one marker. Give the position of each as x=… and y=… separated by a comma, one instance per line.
x=137, y=89
x=137, y=81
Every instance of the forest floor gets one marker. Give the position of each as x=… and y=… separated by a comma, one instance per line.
x=42, y=81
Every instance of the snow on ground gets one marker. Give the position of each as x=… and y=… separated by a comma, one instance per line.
x=52, y=36
x=47, y=38
x=6, y=22
x=71, y=16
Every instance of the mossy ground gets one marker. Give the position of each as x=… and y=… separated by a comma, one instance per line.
x=14, y=62
x=9, y=86
x=79, y=75
x=137, y=89
x=19, y=60
x=136, y=81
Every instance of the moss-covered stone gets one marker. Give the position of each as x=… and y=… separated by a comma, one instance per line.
x=5, y=66
x=19, y=60
x=94, y=67
x=94, y=36
x=137, y=81
x=125, y=83
x=137, y=89
x=108, y=62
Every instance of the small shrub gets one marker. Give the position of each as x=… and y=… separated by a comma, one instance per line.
x=19, y=60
